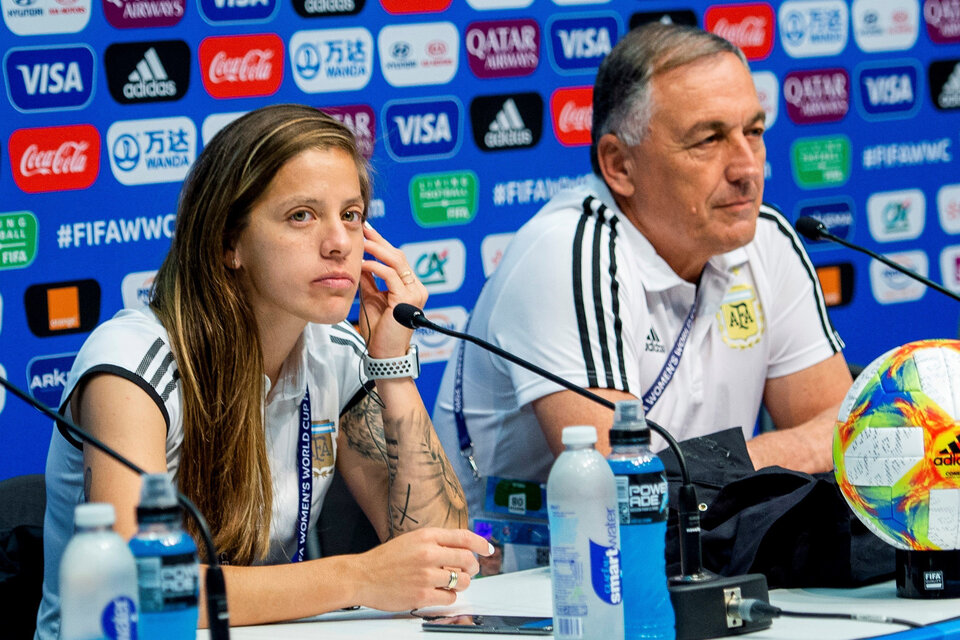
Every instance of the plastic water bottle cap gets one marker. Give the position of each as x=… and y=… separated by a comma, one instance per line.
x=157, y=491
x=579, y=435
x=94, y=514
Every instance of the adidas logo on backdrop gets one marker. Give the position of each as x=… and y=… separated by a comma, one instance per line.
x=512, y=121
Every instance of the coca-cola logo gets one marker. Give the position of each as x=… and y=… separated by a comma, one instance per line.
x=55, y=158
x=572, y=111
x=749, y=26
x=242, y=66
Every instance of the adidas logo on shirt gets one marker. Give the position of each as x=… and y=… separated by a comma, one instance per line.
x=653, y=342
x=149, y=79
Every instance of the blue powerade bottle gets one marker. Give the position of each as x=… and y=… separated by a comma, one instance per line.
x=642, y=500
x=166, y=564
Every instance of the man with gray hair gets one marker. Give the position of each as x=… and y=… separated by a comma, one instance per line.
x=664, y=278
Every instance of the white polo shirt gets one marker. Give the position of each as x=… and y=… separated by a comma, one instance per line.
x=582, y=293
x=134, y=345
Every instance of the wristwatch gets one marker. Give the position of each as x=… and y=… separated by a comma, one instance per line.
x=407, y=366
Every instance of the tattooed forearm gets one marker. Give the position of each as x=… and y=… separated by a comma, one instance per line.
x=363, y=427
x=424, y=490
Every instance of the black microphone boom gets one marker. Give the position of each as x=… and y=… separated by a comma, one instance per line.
x=218, y=618
x=699, y=597
x=812, y=229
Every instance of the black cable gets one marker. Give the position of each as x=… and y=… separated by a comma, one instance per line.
x=751, y=609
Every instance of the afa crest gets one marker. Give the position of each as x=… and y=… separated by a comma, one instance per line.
x=740, y=317
x=322, y=447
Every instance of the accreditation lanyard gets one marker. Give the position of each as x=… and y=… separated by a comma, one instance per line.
x=673, y=360
x=466, y=444
x=305, y=456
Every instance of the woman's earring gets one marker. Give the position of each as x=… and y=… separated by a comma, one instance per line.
x=236, y=263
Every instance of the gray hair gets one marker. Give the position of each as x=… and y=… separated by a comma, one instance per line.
x=622, y=101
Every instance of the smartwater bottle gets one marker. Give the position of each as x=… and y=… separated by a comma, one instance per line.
x=98, y=580
x=166, y=564
x=642, y=498
x=584, y=541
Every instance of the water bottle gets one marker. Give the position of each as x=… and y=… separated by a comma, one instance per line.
x=584, y=541
x=98, y=580
x=167, y=567
x=642, y=498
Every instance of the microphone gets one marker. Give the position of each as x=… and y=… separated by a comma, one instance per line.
x=218, y=618
x=699, y=597
x=812, y=229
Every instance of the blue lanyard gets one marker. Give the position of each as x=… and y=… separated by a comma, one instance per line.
x=673, y=360
x=305, y=456
x=466, y=444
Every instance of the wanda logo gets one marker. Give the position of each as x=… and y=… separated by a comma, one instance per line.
x=242, y=66
x=572, y=111
x=55, y=158
x=749, y=26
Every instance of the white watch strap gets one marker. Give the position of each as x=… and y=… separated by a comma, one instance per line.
x=407, y=366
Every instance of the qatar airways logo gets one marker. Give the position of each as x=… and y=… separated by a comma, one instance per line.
x=501, y=48
x=749, y=26
x=572, y=111
x=943, y=20
x=815, y=97
x=55, y=158
x=242, y=66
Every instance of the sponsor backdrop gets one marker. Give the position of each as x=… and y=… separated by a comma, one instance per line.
x=473, y=112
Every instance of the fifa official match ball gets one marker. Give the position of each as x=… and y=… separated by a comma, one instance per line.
x=896, y=447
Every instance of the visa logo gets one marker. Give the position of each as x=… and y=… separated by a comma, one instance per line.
x=50, y=78
x=47, y=376
x=240, y=3
x=238, y=10
x=579, y=44
x=421, y=130
x=889, y=91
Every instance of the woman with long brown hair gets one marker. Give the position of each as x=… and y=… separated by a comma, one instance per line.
x=243, y=353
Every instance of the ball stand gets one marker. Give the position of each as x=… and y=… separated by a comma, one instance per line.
x=928, y=574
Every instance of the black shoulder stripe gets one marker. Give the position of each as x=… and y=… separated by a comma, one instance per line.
x=347, y=332
x=768, y=212
x=578, y=291
x=347, y=343
x=148, y=358
x=598, y=298
x=162, y=369
x=615, y=302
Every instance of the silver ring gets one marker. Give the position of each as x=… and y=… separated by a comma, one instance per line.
x=452, y=583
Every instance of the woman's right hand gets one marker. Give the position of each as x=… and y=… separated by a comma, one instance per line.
x=413, y=570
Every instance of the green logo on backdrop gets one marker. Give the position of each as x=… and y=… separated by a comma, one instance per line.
x=18, y=239
x=440, y=199
x=821, y=162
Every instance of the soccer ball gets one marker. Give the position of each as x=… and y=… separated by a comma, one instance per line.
x=896, y=447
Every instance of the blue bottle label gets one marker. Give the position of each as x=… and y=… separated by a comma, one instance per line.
x=642, y=497
x=605, y=572
x=119, y=619
x=167, y=582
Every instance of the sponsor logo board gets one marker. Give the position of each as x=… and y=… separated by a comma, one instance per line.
x=572, y=111
x=768, y=92
x=18, y=239
x=439, y=264
x=821, y=161
x=944, y=80
x=45, y=17
x=942, y=18
x=216, y=121
x=332, y=59
x=414, y=6
x=810, y=28
x=948, y=207
x=507, y=121
x=492, y=248
x=836, y=282
x=670, y=16
x=241, y=66
x=50, y=78
x=888, y=90
x=151, y=151
x=815, y=97
x=896, y=215
x=907, y=154
x=156, y=71
x=503, y=48
x=488, y=5
x=836, y=214
x=423, y=129
x=325, y=8
x=889, y=286
x=47, y=377
x=135, y=289
x=55, y=158
x=885, y=25
x=578, y=43
x=359, y=118
x=59, y=308
x=441, y=199
x=749, y=26
x=950, y=267
x=238, y=11
x=434, y=346
x=136, y=14
x=419, y=54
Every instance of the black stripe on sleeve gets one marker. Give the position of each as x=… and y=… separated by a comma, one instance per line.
x=347, y=343
x=770, y=213
x=345, y=330
x=578, y=292
x=162, y=369
x=122, y=373
x=149, y=356
x=598, y=297
x=615, y=304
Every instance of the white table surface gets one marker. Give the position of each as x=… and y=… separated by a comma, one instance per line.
x=528, y=593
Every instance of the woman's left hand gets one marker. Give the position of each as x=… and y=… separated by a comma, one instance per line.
x=386, y=338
